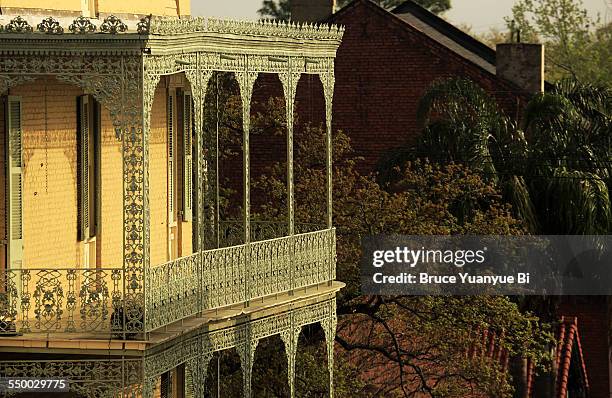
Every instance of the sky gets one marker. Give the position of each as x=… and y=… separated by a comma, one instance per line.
x=481, y=15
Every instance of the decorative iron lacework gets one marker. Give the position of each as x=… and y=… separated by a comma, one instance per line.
x=60, y=300
x=222, y=277
x=137, y=377
x=113, y=25
x=82, y=25
x=51, y=26
x=169, y=26
x=197, y=350
x=18, y=25
x=276, y=28
x=119, y=84
x=116, y=82
x=173, y=25
x=87, y=378
x=144, y=25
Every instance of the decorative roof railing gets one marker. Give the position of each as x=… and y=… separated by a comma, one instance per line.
x=153, y=25
x=165, y=26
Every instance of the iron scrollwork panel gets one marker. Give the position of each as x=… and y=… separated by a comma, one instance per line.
x=60, y=300
x=87, y=378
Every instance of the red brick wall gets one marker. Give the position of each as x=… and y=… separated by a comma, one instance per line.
x=270, y=147
x=383, y=68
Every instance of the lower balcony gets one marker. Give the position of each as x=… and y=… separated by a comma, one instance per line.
x=91, y=301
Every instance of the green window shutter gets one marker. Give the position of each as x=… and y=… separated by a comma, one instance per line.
x=171, y=152
x=83, y=166
x=88, y=158
x=188, y=157
x=96, y=169
x=14, y=173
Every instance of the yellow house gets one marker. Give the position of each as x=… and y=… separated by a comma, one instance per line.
x=112, y=257
x=97, y=8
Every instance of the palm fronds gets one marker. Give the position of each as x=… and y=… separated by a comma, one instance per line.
x=555, y=169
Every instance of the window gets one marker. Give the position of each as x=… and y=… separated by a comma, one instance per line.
x=180, y=155
x=171, y=116
x=88, y=179
x=187, y=147
x=180, y=167
x=13, y=170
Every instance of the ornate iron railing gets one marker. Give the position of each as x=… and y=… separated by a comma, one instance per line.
x=172, y=291
x=92, y=300
x=60, y=300
x=101, y=377
x=221, y=277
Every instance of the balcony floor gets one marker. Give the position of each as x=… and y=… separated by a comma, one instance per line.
x=96, y=344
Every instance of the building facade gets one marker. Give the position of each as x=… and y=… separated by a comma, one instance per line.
x=117, y=274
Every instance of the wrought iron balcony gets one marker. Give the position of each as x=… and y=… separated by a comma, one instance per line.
x=92, y=300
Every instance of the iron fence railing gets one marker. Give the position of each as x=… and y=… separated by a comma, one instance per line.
x=221, y=277
x=60, y=300
x=92, y=301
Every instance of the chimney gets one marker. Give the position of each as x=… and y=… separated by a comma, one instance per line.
x=522, y=64
x=311, y=10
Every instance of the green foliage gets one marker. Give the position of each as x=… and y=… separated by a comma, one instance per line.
x=554, y=169
x=577, y=45
x=281, y=9
x=387, y=346
x=273, y=9
x=417, y=343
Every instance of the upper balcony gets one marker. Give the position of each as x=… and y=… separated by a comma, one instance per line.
x=91, y=301
x=113, y=228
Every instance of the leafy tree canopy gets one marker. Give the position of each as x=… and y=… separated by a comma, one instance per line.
x=388, y=332
x=577, y=45
x=418, y=343
x=553, y=166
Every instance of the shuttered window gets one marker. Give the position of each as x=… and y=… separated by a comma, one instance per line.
x=187, y=188
x=14, y=181
x=87, y=166
x=171, y=116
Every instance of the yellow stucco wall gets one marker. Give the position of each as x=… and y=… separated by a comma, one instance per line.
x=158, y=182
x=50, y=190
x=144, y=7
x=155, y=7
x=158, y=170
x=70, y=5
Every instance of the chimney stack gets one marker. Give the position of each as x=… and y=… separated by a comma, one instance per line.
x=311, y=10
x=522, y=64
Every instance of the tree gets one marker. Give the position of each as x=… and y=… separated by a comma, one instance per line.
x=419, y=343
x=553, y=166
x=273, y=9
x=577, y=45
x=560, y=155
x=281, y=9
